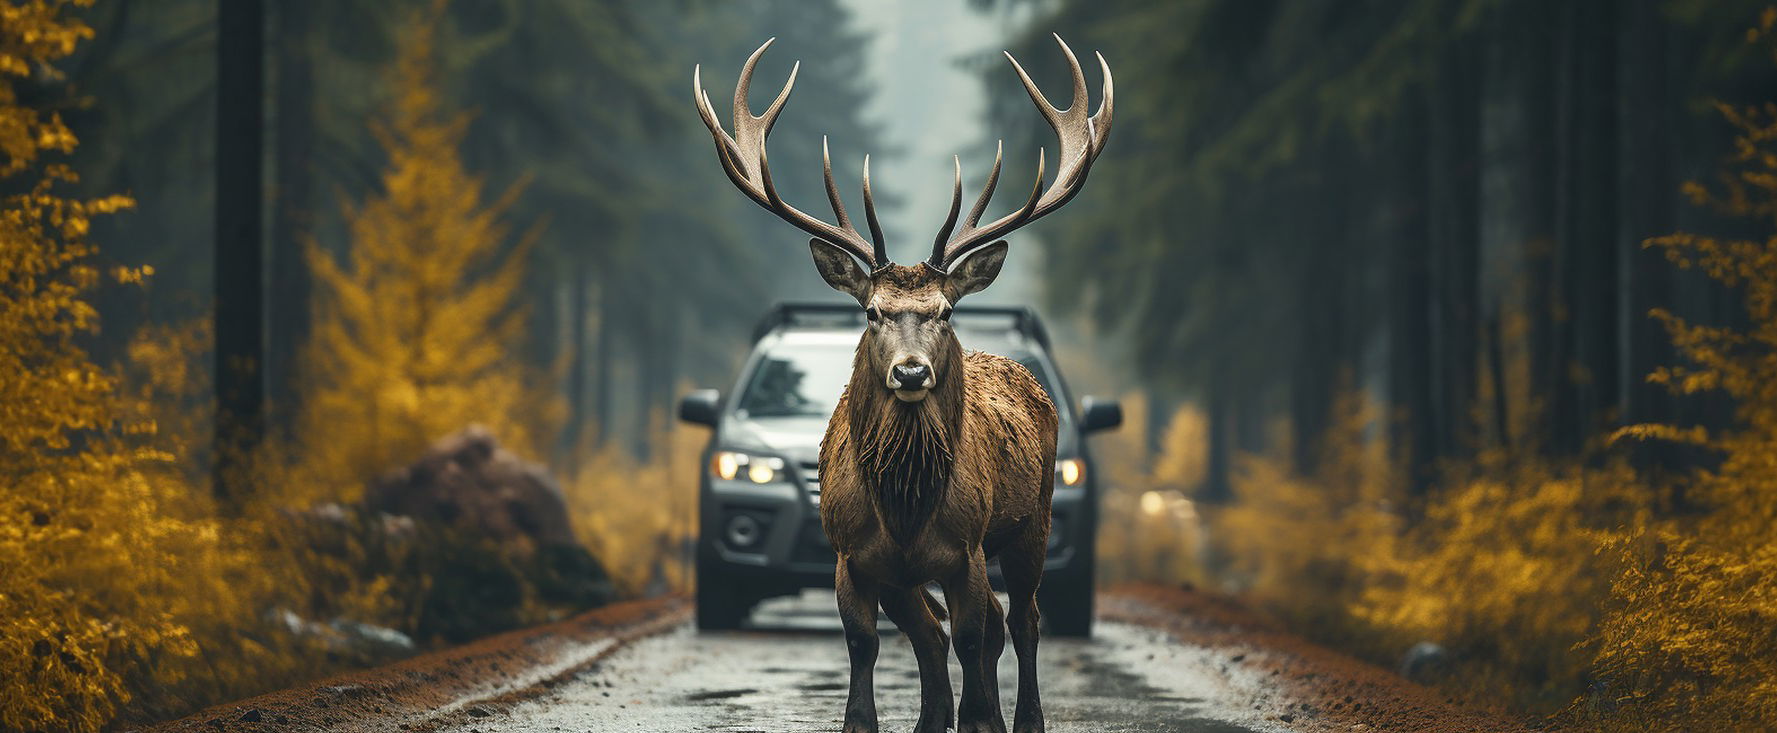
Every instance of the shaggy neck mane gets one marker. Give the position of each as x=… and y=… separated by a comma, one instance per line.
x=905, y=449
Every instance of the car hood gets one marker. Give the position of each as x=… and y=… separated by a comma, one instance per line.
x=797, y=439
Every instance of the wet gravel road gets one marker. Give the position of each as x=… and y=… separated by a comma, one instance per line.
x=788, y=673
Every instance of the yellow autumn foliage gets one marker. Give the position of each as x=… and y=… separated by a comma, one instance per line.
x=1688, y=642
x=1500, y=563
x=415, y=331
x=106, y=560
x=1150, y=528
x=640, y=516
x=1504, y=569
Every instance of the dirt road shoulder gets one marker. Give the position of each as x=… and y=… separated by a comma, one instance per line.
x=1288, y=680
x=421, y=693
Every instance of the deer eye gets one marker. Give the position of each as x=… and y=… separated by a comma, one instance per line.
x=873, y=314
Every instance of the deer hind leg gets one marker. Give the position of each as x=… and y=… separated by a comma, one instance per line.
x=1022, y=564
x=973, y=611
x=911, y=611
x=857, y=612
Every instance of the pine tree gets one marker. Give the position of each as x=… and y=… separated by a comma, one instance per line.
x=415, y=330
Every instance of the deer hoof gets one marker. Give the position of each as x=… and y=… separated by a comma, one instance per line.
x=932, y=724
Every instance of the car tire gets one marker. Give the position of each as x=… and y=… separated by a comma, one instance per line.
x=1066, y=603
x=720, y=606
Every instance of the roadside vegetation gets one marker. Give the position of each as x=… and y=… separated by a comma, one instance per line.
x=127, y=593
x=1626, y=582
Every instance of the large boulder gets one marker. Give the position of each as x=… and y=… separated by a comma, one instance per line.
x=467, y=481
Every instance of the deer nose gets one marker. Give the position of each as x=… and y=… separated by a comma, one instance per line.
x=911, y=376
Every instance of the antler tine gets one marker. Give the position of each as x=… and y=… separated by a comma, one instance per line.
x=1050, y=112
x=1101, y=128
x=880, y=249
x=726, y=148
x=833, y=188
x=956, y=207
x=743, y=158
x=1082, y=137
x=744, y=85
x=956, y=202
x=1078, y=105
x=993, y=179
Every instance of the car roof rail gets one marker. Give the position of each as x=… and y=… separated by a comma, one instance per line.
x=836, y=314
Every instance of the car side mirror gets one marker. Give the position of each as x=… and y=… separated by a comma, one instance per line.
x=1099, y=414
x=701, y=407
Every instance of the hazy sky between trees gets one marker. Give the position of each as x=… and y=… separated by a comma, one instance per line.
x=932, y=104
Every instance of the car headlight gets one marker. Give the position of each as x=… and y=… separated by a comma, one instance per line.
x=758, y=469
x=1070, y=471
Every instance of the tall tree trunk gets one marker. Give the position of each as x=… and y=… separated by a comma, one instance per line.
x=1455, y=231
x=604, y=384
x=1321, y=363
x=1588, y=229
x=647, y=379
x=240, y=266
x=1514, y=222
x=579, y=309
x=292, y=211
x=1217, y=486
x=1529, y=144
x=1413, y=432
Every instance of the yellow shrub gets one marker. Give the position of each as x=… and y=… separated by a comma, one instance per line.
x=1291, y=540
x=1504, y=569
x=639, y=517
x=1150, y=527
x=1688, y=642
x=1499, y=563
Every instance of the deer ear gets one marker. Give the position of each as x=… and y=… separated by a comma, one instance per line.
x=840, y=269
x=975, y=272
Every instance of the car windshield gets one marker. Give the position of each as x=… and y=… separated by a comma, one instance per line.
x=806, y=379
x=801, y=380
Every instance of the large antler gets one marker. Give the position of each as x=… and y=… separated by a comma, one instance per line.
x=1081, y=138
x=743, y=158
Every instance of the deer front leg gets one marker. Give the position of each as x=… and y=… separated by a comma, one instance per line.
x=857, y=612
x=978, y=632
x=909, y=609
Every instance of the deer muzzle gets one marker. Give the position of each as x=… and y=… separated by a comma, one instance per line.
x=910, y=381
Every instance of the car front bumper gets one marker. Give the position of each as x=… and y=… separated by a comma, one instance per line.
x=788, y=551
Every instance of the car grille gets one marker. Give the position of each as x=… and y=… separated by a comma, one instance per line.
x=811, y=480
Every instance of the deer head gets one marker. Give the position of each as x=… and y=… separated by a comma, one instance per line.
x=909, y=341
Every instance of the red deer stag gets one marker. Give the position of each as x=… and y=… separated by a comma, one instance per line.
x=935, y=460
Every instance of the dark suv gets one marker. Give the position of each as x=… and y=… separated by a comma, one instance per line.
x=760, y=527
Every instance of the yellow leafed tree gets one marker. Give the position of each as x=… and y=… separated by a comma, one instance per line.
x=103, y=562
x=1688, y=642
x=413, y=331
